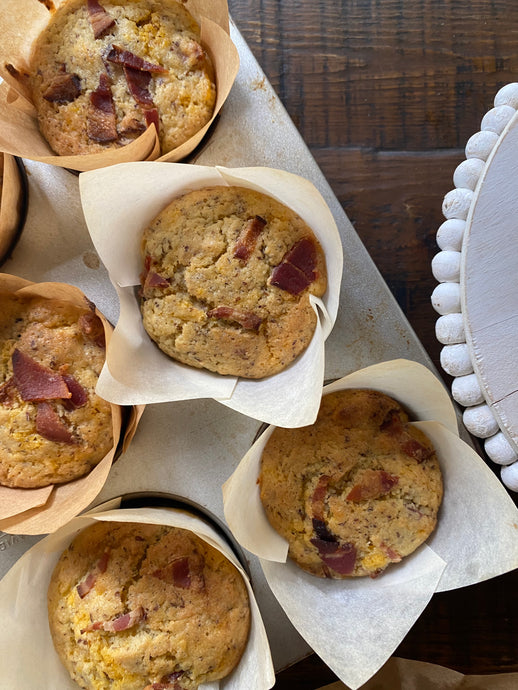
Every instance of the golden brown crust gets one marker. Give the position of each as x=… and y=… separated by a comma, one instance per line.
x=186, y=607
x=355, y=491
x=69, y=63
x=66, y=341
x=210, y=298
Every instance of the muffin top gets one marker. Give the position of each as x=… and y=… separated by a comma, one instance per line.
x=355, y=491
x=102, y=72
x=227, y=277
x=53, y=426
x=134, y=606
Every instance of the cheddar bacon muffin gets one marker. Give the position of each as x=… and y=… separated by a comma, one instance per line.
x=104, y=70
x=136, y=606
x=53, y=426
x=226, y=282
x=355, y=491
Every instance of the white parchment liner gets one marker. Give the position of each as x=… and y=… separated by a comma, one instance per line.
x=28, y=656
x=22, y=23
x=118, y=203
x=355, y=625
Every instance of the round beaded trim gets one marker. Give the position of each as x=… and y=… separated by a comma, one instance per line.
x=455, y=359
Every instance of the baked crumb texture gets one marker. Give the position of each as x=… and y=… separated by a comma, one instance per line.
x=227, y=275
x=101, y=72
x=53, y=426
x=134, y=606
x=354, y=492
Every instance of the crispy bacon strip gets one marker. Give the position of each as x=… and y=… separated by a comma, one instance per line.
x=184, y=572
x=63, y=88
x=100, y=19
x=128, y=59
x=138, y=83
x=123, y=622
x=50, y=425
x=155, y=280
x=408, y=444
x=342, y=560
x=303, y=255
x=416, y=450
x=248, y=236
x=152, y=117
x=246, y=319
x=296, y=270
x=79, y=396
x=318, y=497
x=372, y=484
x=35, y=382
x=336, y=556
x=89, y=582
x=101, y=117
x=394, y=556
x=92, y=327
x=126, y=621
x=86, y=585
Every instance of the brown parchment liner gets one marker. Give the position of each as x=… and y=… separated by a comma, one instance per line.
x=405, y=674
x=40, y=511
x=12, y=203
x=22, y=23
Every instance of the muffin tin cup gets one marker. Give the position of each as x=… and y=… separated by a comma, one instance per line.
x=23, y=22
x=158, y=499
x=13, y=203
x=42, y=510
x=29, y=655
x=355, y=624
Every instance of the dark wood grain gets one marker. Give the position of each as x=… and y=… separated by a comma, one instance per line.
x=386, y=94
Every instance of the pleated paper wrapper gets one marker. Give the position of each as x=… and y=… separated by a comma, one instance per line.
x=22, y=23
x=355, y=625
x=29, y=659
x=118, y=204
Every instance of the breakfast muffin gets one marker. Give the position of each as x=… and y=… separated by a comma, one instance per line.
x=357, y=490
x=102, y=72
x=137, y=606
x=53, y=426
x=226, y=281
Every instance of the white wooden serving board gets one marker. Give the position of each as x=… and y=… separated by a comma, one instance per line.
x=489, y=282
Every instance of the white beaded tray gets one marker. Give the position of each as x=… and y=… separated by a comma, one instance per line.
x=477, y=295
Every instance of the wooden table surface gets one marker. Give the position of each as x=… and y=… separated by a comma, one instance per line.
x=386, y=94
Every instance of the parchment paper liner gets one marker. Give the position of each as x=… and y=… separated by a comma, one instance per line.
x=118, y=203
x=355, y=625
x=39, y=511
x=404, y=674
x=28, y=652
x=13, y=203
x=22, y=23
